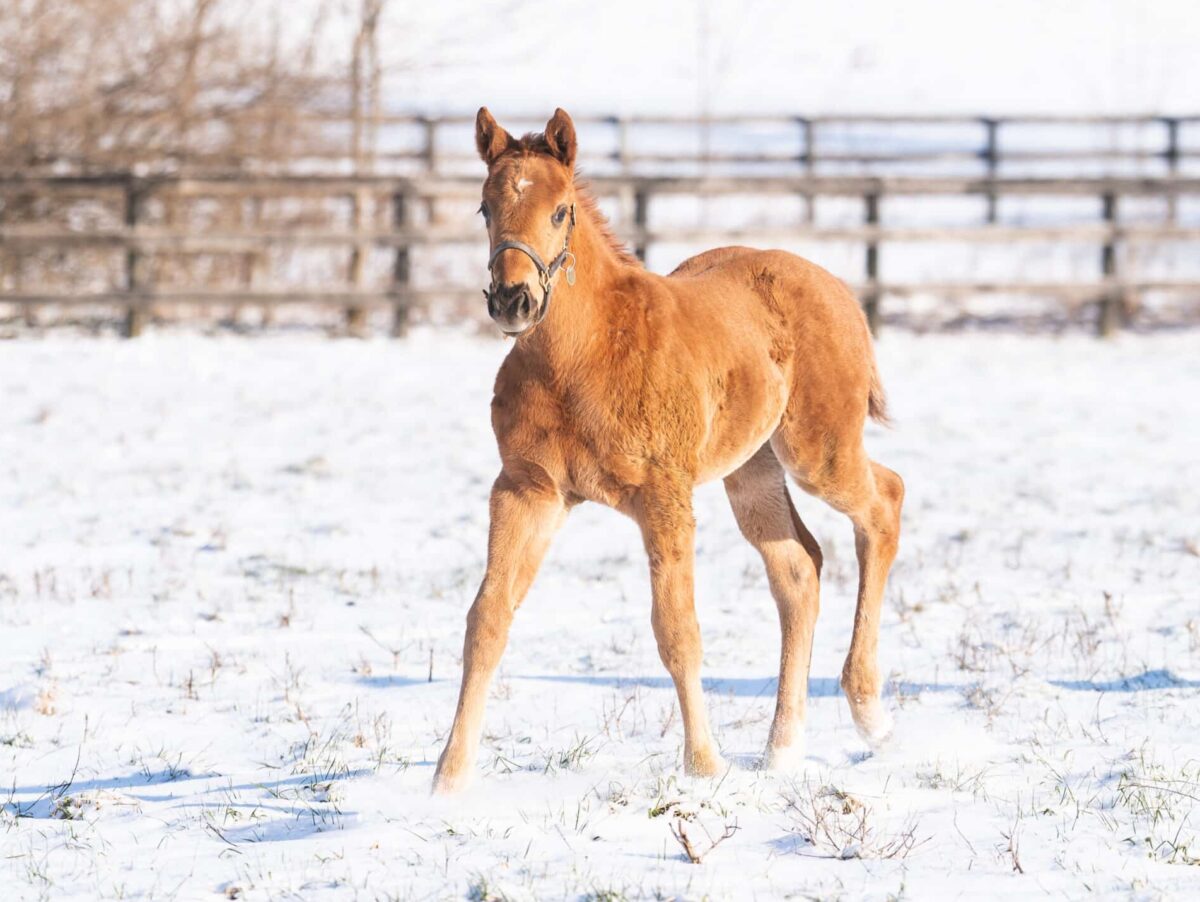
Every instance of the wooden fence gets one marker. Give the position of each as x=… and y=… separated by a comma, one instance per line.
x=808, y=145
x=415, y=220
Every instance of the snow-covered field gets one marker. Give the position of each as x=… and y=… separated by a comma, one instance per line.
x=233, y=576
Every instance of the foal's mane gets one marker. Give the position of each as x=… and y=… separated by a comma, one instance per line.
x=535, y=143
x=591, y=208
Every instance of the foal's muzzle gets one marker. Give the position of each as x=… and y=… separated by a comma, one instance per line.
x=514, y=307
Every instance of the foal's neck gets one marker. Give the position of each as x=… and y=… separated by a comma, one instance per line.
x=580, y=315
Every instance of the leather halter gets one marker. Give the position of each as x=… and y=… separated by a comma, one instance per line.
x=545, y=273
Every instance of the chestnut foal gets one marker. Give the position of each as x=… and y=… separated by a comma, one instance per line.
x=629, y=388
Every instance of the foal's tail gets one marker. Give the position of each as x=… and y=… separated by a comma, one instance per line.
x=876, y=397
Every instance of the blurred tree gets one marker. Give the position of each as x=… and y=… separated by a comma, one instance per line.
x=115, y=84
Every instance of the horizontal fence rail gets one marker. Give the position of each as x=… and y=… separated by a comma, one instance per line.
x=808, y=144
x=413, y=219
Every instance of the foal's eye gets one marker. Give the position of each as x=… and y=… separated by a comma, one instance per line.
x=483, y=211
x=559, y=215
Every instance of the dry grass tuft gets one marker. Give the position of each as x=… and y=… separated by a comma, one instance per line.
x=840, y=825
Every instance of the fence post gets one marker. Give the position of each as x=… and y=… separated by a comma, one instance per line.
x=1171, y=155
x=431, y=150
x=402, y=266
x=806, y=160
x=18, y=208
x=254, y=260
x=870, y=299
x=28, y=311
x=1112, y=304
x=991, y=159
x=641, y=215
x=356, y=314
x=135, y=312
x=622, y=126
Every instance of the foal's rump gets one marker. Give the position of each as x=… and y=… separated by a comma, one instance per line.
x=792, y=287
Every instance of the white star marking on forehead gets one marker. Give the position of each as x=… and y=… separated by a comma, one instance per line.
x=522, y=184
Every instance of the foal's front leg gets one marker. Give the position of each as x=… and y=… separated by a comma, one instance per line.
x=523, y=520
x=664, y=512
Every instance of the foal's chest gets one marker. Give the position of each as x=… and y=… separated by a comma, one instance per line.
x=566, y=438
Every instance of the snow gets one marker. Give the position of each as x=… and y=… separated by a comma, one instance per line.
x=234, y=573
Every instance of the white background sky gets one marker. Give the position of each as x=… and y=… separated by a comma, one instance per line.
x=776, y=55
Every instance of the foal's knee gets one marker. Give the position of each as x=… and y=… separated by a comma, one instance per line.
x=681, y=657
x=489, y=617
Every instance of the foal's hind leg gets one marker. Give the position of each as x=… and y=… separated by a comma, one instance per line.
x=871, y=496
x=764, y=511
x=876, y=537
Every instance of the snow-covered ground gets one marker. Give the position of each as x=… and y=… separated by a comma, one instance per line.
x=233, y=575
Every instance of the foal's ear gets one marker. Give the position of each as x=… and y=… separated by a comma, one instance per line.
x=560, y=136
x=491, y=139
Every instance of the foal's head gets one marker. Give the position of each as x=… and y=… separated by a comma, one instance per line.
x=529, y=207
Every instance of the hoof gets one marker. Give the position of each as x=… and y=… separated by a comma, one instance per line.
x=784, y=759
x=446, y=784
x=874, y=723
x=704, y=764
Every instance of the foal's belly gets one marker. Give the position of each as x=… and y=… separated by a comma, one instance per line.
x=742, y=414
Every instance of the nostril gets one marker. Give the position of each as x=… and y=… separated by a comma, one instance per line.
x=525, y=299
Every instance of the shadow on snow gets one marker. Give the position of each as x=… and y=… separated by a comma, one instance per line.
x=742, y=687
x=1151, y=679
x=42, y=806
